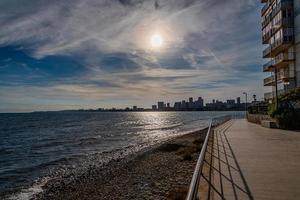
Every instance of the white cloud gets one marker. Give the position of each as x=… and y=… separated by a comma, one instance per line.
x=219, y=39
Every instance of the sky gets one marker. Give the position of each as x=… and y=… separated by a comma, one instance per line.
x=62, y=54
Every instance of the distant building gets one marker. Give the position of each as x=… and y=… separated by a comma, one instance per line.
x=168, y=105
x=197, y=105
x=177, y=106
x=191, y=104
x=281, y=35
x=184, y=105
x=238, y=100
x=134, y=108
x=231, y=101
x=160, y=105
x=154, y=107
x=200, y=102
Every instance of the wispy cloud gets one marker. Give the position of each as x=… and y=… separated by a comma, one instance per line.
x=85, y=51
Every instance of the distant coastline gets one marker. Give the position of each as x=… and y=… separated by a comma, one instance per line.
x=125, y=110
x=140, y=110
x=180, y=106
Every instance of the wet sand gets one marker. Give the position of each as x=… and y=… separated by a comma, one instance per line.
x=162, y=172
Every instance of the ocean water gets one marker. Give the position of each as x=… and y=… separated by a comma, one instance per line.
x=36, y=146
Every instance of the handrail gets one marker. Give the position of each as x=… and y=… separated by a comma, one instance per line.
x=193, y=190
x=194, y=185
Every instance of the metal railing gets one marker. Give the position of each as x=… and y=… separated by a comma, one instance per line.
x=269, y=80
x=268, y=65
x=193, y=190
x=279, y=59
x=194, y=185
x=285, y=39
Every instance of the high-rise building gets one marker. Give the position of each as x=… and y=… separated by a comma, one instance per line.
x=281, y=34
x=191, y=103
x=160, y=105
x=183, y=104
x=238, y=100
x=231, y=101
x=200, y=102
x=177, y=106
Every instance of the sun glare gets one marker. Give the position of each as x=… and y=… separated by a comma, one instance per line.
x=156, y=41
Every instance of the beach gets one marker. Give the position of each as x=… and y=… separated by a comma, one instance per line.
x=163, y=171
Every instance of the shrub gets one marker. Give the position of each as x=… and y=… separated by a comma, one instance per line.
x=288, y=112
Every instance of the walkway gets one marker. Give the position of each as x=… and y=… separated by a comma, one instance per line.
x=253, y=162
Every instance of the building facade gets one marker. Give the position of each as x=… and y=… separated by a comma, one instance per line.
x=281, y=35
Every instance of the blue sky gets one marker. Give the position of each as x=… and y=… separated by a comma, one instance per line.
x=96, y=53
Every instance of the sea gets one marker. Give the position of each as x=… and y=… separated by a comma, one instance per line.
x=36, y=147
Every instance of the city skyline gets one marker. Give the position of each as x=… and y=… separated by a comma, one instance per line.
x=57, y=55
x=188, y=104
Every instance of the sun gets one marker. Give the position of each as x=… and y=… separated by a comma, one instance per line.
x=156, y=40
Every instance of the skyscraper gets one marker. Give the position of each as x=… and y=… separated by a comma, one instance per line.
x=281, y=34
x=154, y=107
x=200, y=102
x=191, y=103
x=160, y=105
x=238, y=100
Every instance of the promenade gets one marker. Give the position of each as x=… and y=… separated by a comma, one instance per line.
x=253, y=162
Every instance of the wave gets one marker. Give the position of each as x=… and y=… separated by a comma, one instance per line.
x=164, y=127
x=29, y=193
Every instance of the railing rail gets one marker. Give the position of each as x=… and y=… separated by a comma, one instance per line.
x=269, y=80
x=194, y=185
x=193, y=190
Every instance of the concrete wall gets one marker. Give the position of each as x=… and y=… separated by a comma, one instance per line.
x=257, y=118
x=297, y=39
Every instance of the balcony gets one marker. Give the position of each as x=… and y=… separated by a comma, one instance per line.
x=264, y=9
x=281, y=60
x=283, y=23
x=266, y=21
x=284, y=4
x=271, y=95
x=279, y=45
x=269, y=81
x=266, y=37
x=268, y=66
x=284, y=76
x=267, y=52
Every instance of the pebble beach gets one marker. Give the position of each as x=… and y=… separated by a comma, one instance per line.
x=163, y=171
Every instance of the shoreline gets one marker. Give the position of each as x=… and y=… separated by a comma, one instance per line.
x=162, y=171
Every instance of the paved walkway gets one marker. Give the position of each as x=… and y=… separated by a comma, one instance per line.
x=253, y=162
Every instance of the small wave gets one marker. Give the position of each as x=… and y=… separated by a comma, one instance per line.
x=89, y=140
x=47, y=143
x=164, y=127
x=29, y=193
